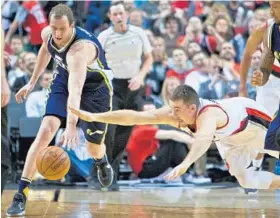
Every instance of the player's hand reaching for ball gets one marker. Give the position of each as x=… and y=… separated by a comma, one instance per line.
x=24, y=92
x=257, y=78
x=176, y=172
x=89, y=117
x=70, y=138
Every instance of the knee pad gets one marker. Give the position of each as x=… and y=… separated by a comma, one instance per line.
x=257, y=179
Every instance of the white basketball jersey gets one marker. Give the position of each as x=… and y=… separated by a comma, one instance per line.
x=239, y=111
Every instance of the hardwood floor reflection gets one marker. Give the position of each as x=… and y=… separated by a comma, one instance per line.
x=150, y=203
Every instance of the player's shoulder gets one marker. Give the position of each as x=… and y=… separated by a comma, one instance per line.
x=46, y=32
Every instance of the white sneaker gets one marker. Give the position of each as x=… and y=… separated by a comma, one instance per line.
x=198, y=180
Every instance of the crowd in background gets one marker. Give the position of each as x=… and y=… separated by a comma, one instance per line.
x=199, y=43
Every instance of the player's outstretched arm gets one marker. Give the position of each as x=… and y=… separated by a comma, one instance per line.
x=127, y=117
x=206, y=127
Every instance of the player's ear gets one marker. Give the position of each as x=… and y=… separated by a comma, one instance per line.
x=193, y=107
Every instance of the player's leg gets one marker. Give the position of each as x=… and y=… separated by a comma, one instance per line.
x=268, y=97
x=99, y=100
x=48, y=128
x=54, y=113
x=250, y=178
x=271, y=140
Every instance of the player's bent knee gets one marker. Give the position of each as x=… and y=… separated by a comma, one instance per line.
x=48, y=128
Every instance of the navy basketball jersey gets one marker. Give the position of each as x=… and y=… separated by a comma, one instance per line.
x=274, y=40
x=97, y=72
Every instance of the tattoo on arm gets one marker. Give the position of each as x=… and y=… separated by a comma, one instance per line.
x=266, y=64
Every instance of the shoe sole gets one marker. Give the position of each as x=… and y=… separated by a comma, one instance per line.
x=111, y=179
x=18, y=214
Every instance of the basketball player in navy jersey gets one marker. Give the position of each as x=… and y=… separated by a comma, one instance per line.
x=81, y=80
x=271, y=52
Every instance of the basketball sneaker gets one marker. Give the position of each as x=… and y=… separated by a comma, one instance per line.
x=105, y=172
x=18, y=206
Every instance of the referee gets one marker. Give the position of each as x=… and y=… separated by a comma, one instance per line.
x=124, y=45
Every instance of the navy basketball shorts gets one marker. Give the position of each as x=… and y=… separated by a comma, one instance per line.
x=97, y=99
x=272, y=139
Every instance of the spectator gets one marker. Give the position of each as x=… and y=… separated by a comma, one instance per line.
x=135, y=18
x=180, y=68
x=194, y=33
x=36, y=101
x=151, y=151
x=31, y=15
x=171, y=34
x=199, y=74
x=192, y=49
x=18, y=71
x=216, y=86
x=29, y=61
x=169, y=85
x=230, y=67
x=255, y=63
x=16, y=47
x=157, y=74
x=9, y=10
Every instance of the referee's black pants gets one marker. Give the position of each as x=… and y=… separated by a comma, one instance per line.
x=117, y=136
x=5, y=148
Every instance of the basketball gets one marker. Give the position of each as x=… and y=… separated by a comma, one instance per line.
x=53, y=163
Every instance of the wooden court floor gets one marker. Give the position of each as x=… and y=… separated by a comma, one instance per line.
x=168, y=202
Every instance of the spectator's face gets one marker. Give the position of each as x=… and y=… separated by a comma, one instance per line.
x=253, y=24
x=172, y=26
x=16, y=46
x=158, y=46
x=129, y=5
x=275, y=10
x=118, y=15
x=261, y=15
x=193, y=48
x=194, y=25
x=62, y=30
x=199, y=60
x=222, y=26
x=179, y=57
x=135, y=18
x=171, y=85
x=46, y=80
x=256, y=59
x=29, y=61
x=164, y=6
x=227, y=51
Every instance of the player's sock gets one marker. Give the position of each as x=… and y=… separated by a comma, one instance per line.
x=24, y=186
x=102, y=160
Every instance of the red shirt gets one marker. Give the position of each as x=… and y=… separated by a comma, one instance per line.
x=36, y=21
x=180, y=76
x=141, y=144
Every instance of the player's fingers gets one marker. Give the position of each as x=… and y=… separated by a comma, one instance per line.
x=60, y=143
x=18, y=96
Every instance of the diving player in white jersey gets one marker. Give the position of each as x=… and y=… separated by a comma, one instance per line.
x=237, y=125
